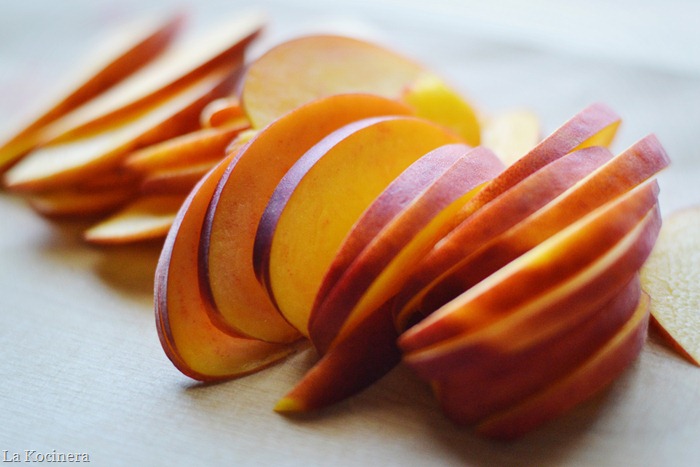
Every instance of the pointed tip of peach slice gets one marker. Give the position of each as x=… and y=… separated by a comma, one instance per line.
x=289, y=405
x=670, y=277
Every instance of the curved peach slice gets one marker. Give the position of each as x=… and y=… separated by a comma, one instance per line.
x=591, y=377
x=195, y=346
x=59, y=165
x=189, y=60
x=146, y=218
x=379, y=270
x=80, y=202
x=307, y=68
x=520, y=218
x=670, y=278
x=237, y=205
x=224, y=111
x=323, y=195
x=175, y=180
x=131, y=47
x=538, y=276
x=202, y=145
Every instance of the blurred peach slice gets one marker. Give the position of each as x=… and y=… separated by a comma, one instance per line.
x=127, y=50
x=670, y=277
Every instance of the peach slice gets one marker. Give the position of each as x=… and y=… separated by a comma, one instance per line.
x=146, y=218
x=594, y=375
x=197, y=347
x=511, y=134
x=80, y=202
x=433, y=99
x=175, y=180
x=59, y=165
x=323, y=195
x=523, y=216
x=224, y=111
x=377, y=272
x=238, y=299
x=129, y=48
x=670, y=277
x=307, y=68
x=202, y=145
x=538, y=276
x=189, y=60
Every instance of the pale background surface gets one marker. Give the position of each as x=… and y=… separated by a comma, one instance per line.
x=81, y=369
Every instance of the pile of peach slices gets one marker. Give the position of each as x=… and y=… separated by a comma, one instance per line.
x=336, y=192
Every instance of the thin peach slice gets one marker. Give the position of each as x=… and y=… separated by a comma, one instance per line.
x=62, y=164
x=307, y=68
x=146, y=218
x=320, y=198
x=224, y=111
x=175, y=180
x=670, y=277
x=79, y=202
x=198, y=348
x=131, y=47
x=202, y=145
x=238, y=299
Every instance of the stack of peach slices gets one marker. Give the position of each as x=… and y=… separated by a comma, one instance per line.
x=335, y=192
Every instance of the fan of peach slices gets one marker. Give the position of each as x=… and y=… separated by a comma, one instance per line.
x=334, y=192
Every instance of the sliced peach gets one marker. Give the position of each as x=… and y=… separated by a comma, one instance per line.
x=80, y=202
x=175, y=180
x=189, y=60
x=304, y=69
x=670, y=277
x=238, y=299
x=523, y=216
x=129, y=49
x=224, y=111
x=202, y=145
x=378, y=271
x=538, y=276
x=60, y=165
x=146, y=218
x=197, y=347
x=591, y=377
x=501, y=376
x=323, y=195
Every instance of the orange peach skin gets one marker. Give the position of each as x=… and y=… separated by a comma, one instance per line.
x=323, y=195
x=198, y=348
x=237, y=299
x=584, y=382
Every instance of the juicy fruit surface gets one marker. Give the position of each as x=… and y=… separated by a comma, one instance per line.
x=671, y=277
